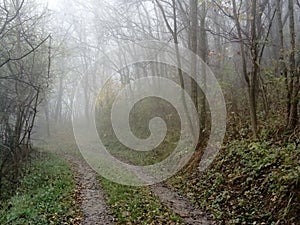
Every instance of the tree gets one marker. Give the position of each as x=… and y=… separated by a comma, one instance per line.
x=24, y=79
x=294, y=73
x=193, y=32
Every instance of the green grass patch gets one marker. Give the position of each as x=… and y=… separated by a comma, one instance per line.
x=139, y=118
x=46, y=195
x=137, y=205
x=140, y=158
x=249, y=183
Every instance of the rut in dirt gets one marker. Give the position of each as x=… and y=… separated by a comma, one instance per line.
x=189, y=214
x=93, y=200
x=180, y=205
x=89, y=193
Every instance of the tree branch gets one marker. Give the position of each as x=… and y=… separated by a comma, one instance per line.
x=25, y=55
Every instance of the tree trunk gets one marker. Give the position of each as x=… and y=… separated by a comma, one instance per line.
x=203, y=48
x=282, y=65
x=58, y=108
x=193, y=47
x=250, y=78
x=174, y=33
x=294, y=81
x=254, y=73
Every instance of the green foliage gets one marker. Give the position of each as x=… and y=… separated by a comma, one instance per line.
x=45, y=196
x=250, y=183
x=139, y=119
x=137, y=205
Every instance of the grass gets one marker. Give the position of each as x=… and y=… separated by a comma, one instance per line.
x=249, y=183
x=139, y=118
x=46, y=195
x=140, y=158
x=129, y=205
x=137, y=205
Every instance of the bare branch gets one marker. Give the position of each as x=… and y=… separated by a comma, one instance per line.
x=25, y=55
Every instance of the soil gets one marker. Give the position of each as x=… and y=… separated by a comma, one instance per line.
x=90, y=196
x=180, y=205
x=93, y=204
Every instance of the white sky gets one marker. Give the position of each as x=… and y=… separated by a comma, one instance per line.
x=53, y=4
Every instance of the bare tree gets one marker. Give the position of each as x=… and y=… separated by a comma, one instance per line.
x=24, y=79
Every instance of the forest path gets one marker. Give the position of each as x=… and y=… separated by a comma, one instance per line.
x=180, y=205
x=91, y=197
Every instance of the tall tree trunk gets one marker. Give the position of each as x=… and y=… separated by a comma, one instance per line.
x=294, y=81
x=219, y=48
x=47, y=118
x=58, y=108
x=250, y=78
x=203, y=49
x=174, y=33
x=254, y=74
x=282, y=65
x=193, y=31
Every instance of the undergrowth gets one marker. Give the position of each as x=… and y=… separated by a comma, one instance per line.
x=248, y=183
x=137, y=205
x=45, y=195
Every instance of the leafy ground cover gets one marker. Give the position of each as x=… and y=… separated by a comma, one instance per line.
x=137, y=205
x=46, y=195
x=248, y=183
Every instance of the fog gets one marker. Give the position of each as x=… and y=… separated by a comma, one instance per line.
x=147, y=88
x=86, y=52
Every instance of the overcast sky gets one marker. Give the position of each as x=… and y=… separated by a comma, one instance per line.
x=51, y=3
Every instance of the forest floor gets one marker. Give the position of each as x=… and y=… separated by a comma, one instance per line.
x=104, y=202
x=93, y=200
x=89, y=194
x=45, y=194
x=180, y=205
x=249, y=183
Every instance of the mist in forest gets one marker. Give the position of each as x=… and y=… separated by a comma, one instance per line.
x=146, y=89
x=201, y=65
x=85, y=64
